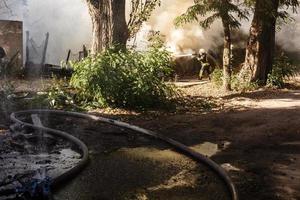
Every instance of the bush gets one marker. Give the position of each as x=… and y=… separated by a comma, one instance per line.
x=236, y=83
x=125, y=78
x=283, y=69
x=59, y=95
x=217, y=77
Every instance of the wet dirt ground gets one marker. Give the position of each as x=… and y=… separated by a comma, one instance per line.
x=126, y=165
x=254, y=136
x=26, y=155
x=123, y=165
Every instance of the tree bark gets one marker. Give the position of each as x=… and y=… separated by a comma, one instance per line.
x=227, y=57
x=261, y=43
x=109, y=23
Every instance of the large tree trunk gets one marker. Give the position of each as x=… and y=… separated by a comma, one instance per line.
x=109, y=23
x=261, y=43
x=227, y=57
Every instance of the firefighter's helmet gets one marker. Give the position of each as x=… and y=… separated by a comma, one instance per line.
x=202, y=51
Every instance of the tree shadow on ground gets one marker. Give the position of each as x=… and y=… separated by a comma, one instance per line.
x=258, y=146
x=267, y=94
x=258, y=142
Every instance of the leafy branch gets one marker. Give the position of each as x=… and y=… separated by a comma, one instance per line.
x=140, y=12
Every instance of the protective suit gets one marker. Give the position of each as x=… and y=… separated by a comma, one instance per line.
x=205, y=65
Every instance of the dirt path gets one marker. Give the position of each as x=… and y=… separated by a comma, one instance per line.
x=261, y=132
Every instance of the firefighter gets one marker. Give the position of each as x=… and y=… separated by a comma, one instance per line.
x=205, y=65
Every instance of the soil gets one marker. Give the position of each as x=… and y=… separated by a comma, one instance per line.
x=255, y=136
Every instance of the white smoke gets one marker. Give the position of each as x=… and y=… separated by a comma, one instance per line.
x=67, y=22
x=188, y=38
x=289, y=35
x=12, y=9
x=69, y=25
x=191, y=37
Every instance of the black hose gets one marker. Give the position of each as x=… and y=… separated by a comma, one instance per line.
x=82, y=147
x=179, y=146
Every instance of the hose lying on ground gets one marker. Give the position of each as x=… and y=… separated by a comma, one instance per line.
x=84, y=150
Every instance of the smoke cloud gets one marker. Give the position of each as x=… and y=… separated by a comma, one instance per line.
x=288, y=37
x=67, y=22
x=188, y=38
x=11, y=9
x=69, y=25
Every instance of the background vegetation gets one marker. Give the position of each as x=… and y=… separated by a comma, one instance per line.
x=125, y=78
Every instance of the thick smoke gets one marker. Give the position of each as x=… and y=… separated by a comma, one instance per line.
x=69, y=25
x=288, y=37
x=67, y=22
x=190, y=37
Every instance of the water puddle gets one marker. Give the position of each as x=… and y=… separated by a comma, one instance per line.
x=207, y=148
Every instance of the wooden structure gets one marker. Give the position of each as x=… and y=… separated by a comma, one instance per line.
x=11, y=41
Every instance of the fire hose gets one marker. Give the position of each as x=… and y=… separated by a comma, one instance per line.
x=15, y=117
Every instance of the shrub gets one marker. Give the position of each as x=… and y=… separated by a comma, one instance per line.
x=236, y=83
x=283, y=69
x=239, y=84
x=125, y=78
x=217, y=77
x=59, y=95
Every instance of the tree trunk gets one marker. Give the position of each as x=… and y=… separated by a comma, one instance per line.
x=261, y=43
x=109, y=23
x=227, y=57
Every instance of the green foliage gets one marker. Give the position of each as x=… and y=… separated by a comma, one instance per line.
x=206, y=12
x=293, y=4
x=125, y=78
x=287, y=4
x=284, y=17
x=60, y=95
x=236, y=83
x=283, y=69
x=243, y=86
x=225, y=10
x=7, y=87
x=140, y=12
x=217, y=77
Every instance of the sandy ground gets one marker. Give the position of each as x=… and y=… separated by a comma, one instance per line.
x=255, y=136
x=261, y=130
